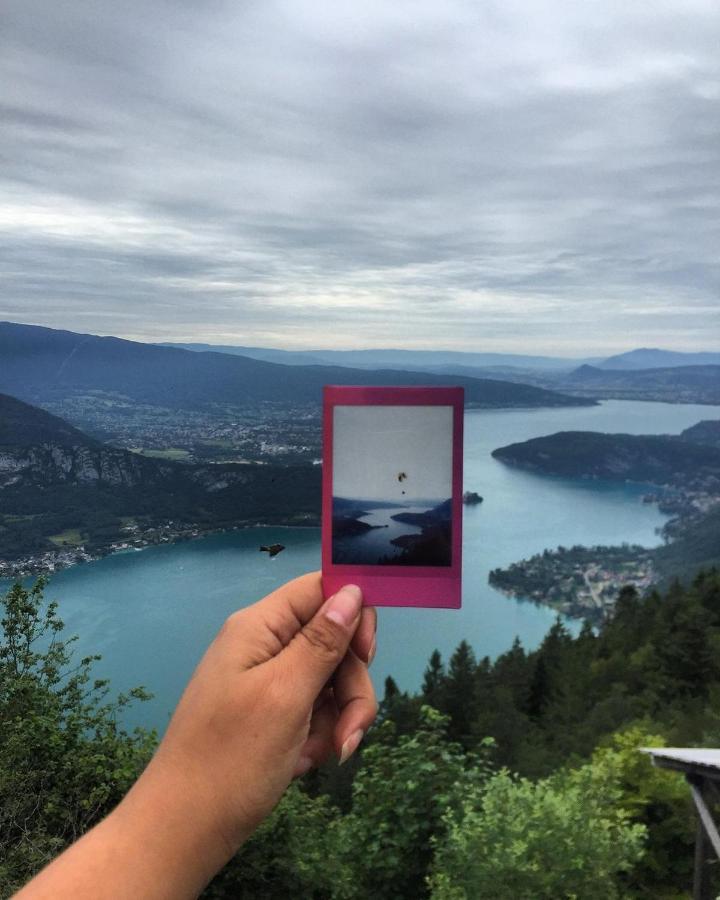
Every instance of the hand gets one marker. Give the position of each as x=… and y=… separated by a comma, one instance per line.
x=283, y=684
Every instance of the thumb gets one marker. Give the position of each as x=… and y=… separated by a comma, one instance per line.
x=319, y=647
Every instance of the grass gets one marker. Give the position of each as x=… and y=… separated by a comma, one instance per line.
x=71, y=537
x=175, y=453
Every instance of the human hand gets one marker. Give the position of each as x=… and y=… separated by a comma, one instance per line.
x=283, y=684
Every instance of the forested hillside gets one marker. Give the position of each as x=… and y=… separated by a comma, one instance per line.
x=656, y=459
x=60, y=488
x=686, y=469
x=429, y=807
x=705, y=432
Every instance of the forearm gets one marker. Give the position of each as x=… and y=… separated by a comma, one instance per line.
x=158, y=844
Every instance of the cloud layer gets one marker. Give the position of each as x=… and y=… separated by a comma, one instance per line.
x=501, y=175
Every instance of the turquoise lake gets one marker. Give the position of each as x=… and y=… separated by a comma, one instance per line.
x=151, y=613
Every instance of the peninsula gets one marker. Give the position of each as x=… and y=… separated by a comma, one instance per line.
x=682, y=474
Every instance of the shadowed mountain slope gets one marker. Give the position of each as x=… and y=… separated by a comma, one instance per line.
x=41, y=364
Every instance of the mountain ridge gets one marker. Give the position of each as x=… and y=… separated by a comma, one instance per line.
x=655, y=358
x=39, y=364
x=658, y=459
x=692, y=384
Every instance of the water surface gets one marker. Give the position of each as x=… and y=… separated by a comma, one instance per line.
x=152, y=613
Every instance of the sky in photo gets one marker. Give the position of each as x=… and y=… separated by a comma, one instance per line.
x=505, y=175
x=373, y=445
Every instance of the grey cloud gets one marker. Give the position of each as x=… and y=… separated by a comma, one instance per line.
x=484, y=175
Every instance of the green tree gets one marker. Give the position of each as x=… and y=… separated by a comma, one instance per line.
x=434, y=680
x=382, y=848
x=514, y=839
x=64, y=760
x=460, y=694
x=658, y=800
x=289, y=855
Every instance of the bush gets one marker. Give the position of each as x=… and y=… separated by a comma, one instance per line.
x=64, y=760
x=383, y=846
x=562, y=837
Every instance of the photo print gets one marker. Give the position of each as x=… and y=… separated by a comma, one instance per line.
x=392, y=484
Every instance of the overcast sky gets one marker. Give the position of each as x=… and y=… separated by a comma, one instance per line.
x=512, y=175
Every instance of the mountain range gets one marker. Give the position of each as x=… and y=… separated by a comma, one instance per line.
x=677, y=384
x=42, y=364
x=642, y=374
x=645, y=358
x=461, y=362
x=393, y=358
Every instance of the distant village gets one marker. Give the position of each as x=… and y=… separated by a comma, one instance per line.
x=49, y=561
x=581, y=582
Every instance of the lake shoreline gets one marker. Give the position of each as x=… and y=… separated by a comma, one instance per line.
x=51, y=561
x=151, y=615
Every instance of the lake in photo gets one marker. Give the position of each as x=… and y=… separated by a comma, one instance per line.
x=370, y=533
x=151, y=613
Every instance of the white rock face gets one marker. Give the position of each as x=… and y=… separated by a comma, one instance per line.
x=51, y=463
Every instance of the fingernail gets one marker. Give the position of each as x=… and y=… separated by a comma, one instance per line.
x=304, y=764
x=350, y=745
x=373, y=651
x=344, y=607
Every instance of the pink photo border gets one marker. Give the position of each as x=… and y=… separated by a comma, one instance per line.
x=421, y=586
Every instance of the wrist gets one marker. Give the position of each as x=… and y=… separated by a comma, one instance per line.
x=170, y=827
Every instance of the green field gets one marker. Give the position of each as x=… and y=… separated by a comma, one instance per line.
x=71, y=537
x=175, y=453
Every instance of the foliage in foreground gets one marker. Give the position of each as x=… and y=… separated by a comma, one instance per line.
x=564, y=836
x=420, y=804
x=431, y=807
x=64, y=759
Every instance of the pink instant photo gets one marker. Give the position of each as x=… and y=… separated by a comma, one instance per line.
x=392, y=494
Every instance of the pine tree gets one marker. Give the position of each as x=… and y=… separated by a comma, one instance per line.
x=391, y=689
x=539, y=696
x=434, y=680
x=460, y=693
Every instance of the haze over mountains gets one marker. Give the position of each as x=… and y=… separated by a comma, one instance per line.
x=643, y=374
x=432, y=360
x=658, y=359
x=393, y=358
x=688, y=384
x=40, y=364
